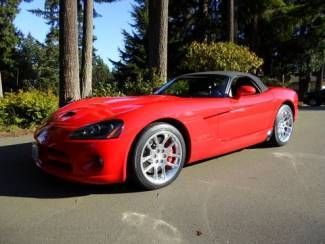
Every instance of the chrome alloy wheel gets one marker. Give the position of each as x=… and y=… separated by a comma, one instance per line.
x=161, y=157
x=284, y=124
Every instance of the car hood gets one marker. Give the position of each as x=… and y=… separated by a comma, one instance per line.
x=91, y=110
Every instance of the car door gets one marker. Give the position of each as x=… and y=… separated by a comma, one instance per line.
x=248, y=114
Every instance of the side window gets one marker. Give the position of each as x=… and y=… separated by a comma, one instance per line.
x=242, y=81
x=181, y=87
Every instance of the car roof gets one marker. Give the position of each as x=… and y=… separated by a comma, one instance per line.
x=225, y=73
x=231, y=75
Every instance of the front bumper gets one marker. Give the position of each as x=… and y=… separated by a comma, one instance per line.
x=85, y=161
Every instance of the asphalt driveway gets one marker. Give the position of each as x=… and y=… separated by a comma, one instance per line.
x=257, y=195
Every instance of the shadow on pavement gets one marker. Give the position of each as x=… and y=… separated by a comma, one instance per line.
x=19, y=177
x=309, y=108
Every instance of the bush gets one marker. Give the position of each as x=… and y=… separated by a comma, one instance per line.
x=220, y=56
x=106, y=89
x=142, y=86
x=26, y=109
x=138, y=88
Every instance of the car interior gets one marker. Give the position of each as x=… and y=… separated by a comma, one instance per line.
x=198, y=86
x=239, y=82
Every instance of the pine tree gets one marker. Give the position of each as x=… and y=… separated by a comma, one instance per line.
x=134, y=57
x=8, y=39
x=50, y=13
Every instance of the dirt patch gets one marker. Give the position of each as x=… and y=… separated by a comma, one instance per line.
x=15, y=132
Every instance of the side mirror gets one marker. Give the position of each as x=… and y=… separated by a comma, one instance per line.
x=245, y=91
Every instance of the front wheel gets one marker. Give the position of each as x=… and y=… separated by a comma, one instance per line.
x=158, y=156
x=283, y=126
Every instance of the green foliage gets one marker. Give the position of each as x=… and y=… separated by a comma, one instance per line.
x=138, y=88
x=179, y=88
x=141, y=86
x=101, y=73
x=106, y=89
x=220, y=56
x=134, y=55
x=127, y=88
x=26, y=109
x=8, y=38
x=103, y=84
x=37, y=64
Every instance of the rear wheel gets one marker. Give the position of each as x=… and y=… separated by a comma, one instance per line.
x=283, y=126
x=158, y=156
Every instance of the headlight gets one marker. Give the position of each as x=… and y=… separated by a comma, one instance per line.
x=101, y=130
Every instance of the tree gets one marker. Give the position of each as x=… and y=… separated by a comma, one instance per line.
x=8, y=38
x=189, y=20
x=158, y=37
x=231, y=21
x=1, y=92
x=30, y=58
x=69, y=60
x=203, y=22
x=101, y=72
x=50, y=62
x=87, y=49
x=134, y=55
x=288, y=35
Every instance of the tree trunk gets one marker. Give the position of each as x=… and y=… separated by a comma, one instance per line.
x=1, y=91
x=204, y=22
x=304, y=81
x=319, y=80
x=235, y=20
x=231, y=21
x=87, y=49
x=254, y=33
x=69, y=61
x=158, y=38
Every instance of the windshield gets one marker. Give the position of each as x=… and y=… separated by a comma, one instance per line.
x=196, y=86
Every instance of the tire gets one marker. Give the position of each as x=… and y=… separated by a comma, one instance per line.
x=313, y=102
x=283, y=126
x=158, y=156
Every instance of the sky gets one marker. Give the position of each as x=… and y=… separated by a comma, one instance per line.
x=116, y=16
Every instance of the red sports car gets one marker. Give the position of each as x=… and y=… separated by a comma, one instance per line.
x=149, y=138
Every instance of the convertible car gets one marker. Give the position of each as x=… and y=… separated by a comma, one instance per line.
x=149, y=138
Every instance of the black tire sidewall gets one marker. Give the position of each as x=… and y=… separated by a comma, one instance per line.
x=313, y=102
x=136, y=157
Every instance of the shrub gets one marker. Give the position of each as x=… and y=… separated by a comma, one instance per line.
x=26, y=109
x=142, y=86
x=106, y=89
x=220, y=56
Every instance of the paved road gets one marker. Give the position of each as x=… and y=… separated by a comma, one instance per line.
x=257, y=195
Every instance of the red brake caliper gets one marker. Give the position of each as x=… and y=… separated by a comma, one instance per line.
x=170, y=158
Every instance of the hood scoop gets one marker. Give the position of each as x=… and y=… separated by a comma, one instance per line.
x=68, y=115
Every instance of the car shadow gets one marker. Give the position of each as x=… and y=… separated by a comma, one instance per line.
x=19, y=177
